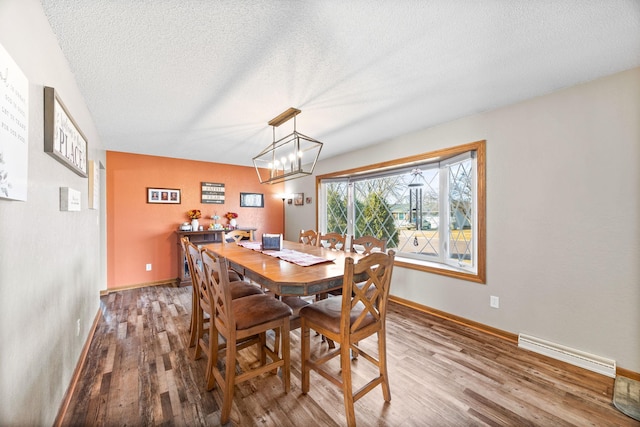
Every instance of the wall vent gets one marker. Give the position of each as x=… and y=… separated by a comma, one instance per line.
x=575, y=357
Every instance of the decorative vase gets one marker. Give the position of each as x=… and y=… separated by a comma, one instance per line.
x=233, y=223
x=194, y=225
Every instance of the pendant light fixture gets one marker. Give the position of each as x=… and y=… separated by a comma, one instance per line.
x=290, y=157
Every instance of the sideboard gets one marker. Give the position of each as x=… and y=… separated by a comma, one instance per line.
x=198, y=238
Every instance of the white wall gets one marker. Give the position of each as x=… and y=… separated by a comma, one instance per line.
x=563, y=233
x=51, y=262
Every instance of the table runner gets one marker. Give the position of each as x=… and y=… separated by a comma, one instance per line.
x=299, y=258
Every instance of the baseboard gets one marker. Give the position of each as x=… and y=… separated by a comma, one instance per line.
x=507, y=336
x=173, y=282
x=76, y=373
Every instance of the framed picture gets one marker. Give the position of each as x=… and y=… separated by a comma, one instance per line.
x=63, y=139
x=251, y=200
x=298, y=199
x=163, y=195
x=307, y=200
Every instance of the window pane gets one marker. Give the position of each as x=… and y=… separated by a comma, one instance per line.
x=461, y=191
x=336, y=215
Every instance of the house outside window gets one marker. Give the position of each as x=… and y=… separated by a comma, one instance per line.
x=428, y=208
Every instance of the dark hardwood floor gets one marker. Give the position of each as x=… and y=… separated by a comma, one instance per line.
x=139, y=373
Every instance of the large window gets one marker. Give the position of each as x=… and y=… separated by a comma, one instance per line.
x=429, y=209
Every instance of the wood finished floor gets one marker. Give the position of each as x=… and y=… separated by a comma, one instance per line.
x=140, y=373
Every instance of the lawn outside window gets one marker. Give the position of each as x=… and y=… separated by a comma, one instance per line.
x=429, y=208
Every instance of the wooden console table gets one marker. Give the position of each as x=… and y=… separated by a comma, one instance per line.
x=199, y=238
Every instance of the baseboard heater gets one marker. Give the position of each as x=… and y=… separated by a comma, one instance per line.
x=575, y=357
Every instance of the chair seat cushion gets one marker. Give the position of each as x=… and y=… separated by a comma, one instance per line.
x=296, y=303
x=256, y=309
x=326, y=314
x=240, y=289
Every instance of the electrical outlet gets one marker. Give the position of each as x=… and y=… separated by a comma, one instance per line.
x=78, y=327
x=494, y=302
x=148, y=267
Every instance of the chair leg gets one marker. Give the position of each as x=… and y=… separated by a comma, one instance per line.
x=262, y=354
x=306, y=351
x=382, y=362
x=347, y=388
x=212, y=362
x=193, y=329
x=286, y=368
x=276, y=341
x=229, y=380
x=199, y=333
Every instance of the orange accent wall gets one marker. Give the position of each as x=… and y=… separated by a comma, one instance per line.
x=139, y=233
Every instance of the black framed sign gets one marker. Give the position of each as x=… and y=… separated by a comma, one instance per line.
x=63, y=139
x=251, y=200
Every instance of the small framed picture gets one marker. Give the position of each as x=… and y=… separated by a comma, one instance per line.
x=307, y=200
x=298, y=199
x=251, y=200
x=163, y=195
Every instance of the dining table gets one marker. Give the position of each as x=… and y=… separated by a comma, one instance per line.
x=295, y=269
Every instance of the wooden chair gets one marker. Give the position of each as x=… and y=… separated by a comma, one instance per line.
x=347, y=320
x=236, y=321
x=308, y=237
x=193, y=333
x=199, y=315
x=237, y=235
x=368, y=244
x=336, y=242
x=333, y=241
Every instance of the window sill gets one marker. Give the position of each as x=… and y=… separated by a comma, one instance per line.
x=442, y=269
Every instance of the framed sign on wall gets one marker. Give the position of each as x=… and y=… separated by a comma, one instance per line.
x=212, y=192
x=251, y=200
x=63, y=139
x=14, y=129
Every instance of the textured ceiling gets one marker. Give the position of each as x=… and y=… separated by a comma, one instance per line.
x=201, y=79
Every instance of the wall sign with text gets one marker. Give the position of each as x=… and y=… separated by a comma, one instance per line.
x=14, y=129
x=62, y=137
x=212, y=192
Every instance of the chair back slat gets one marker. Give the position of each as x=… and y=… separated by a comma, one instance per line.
x=332, y=240
x=217, y=275
x=370, y=295
x=308, y=237
x=367, y=244
x=198, y=278
x=237, y=235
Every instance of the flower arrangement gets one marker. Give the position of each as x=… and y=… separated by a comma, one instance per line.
x=231, y=215
x=194, y=214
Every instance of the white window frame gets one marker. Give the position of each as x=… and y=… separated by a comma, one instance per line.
x=442, y=263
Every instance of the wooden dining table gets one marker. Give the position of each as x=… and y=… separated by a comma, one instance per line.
x=283, y=277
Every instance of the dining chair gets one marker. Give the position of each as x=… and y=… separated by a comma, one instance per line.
x=193, y=333
x=367, y=244
x=239, y=320
x=333, y=241
x=308, y=237
x=347, y=320
x=200, y=316
x=237, y=235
